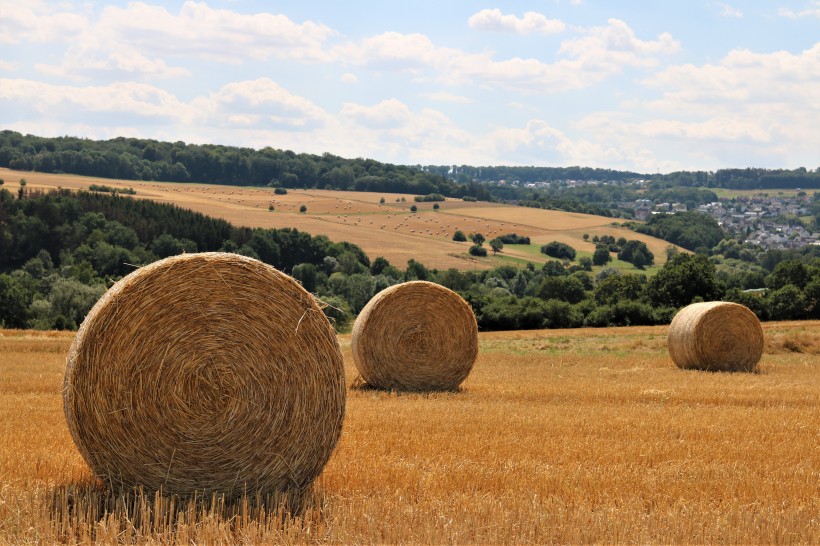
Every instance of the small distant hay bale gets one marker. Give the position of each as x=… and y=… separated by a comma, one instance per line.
x=715, y=336
x=206, y=372
x=416, y=336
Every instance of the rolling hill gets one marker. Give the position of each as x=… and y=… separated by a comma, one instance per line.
x=386, y=229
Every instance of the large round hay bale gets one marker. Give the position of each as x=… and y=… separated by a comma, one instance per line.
x=716, y=336
x=415, y=336
x=206, y=372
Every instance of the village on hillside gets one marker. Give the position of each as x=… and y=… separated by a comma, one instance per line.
x=764, y=220
x=769, y=221
x=759, y=219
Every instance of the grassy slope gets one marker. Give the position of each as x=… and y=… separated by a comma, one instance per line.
x=388, y=230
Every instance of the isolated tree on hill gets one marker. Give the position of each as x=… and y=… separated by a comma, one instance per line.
x=303, y=208
x=459, y=236
x=558, y=250
x=496, y=245
x=413, y=208
x=601, y=256
x=478, y=239
x=636, y=253
x=477, y=250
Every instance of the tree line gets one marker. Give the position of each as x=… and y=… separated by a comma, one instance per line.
x=745, y=179
x=60, y=251
x=738, y=179
x=146, y=159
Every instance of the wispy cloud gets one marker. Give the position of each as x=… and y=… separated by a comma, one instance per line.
x=728, y=11
x=812, y=11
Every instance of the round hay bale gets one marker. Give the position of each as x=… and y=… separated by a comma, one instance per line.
x=415, y=336
x=206, y=372
x=715, y=336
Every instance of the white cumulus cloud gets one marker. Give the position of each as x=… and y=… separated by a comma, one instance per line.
x=262, y=103
x=140, y=39
x=135, y=99
x=531, y=22
x=586, y=60
x=36, y=21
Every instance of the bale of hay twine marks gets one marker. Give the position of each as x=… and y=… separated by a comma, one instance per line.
x=715, y=336
x=206, y=372
x=415, y=336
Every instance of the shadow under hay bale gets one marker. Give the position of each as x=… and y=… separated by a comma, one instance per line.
x=93, y=513
x=360, y=385
x=206, y=372
x=415, y=336
x=716, y=336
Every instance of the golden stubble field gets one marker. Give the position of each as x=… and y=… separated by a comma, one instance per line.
x=570, y=436
x=388, y=229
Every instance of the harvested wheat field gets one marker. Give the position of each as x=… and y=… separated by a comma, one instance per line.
x=386, y=229
x=571, y=436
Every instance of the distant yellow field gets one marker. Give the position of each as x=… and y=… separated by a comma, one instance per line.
x=388, y=229
x=562, y=436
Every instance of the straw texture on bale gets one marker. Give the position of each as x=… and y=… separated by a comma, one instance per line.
x=415, y=336
x=206, y=372
x=715, y=336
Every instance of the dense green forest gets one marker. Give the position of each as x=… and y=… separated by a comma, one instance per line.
x=140, y=159
x=690, y=230
x=60, y=251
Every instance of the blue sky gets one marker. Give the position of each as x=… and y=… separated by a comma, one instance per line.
x=644, y=86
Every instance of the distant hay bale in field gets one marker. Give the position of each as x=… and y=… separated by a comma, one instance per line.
x=715, y=336
x=206, y=372
x=415, y=336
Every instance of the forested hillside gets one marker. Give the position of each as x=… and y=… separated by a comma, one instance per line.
x=141, y=159
x=603, y=192
x=60, y=251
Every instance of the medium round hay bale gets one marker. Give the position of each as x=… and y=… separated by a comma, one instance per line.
x=206, y=372
x=415, y=336
x=715, y=336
